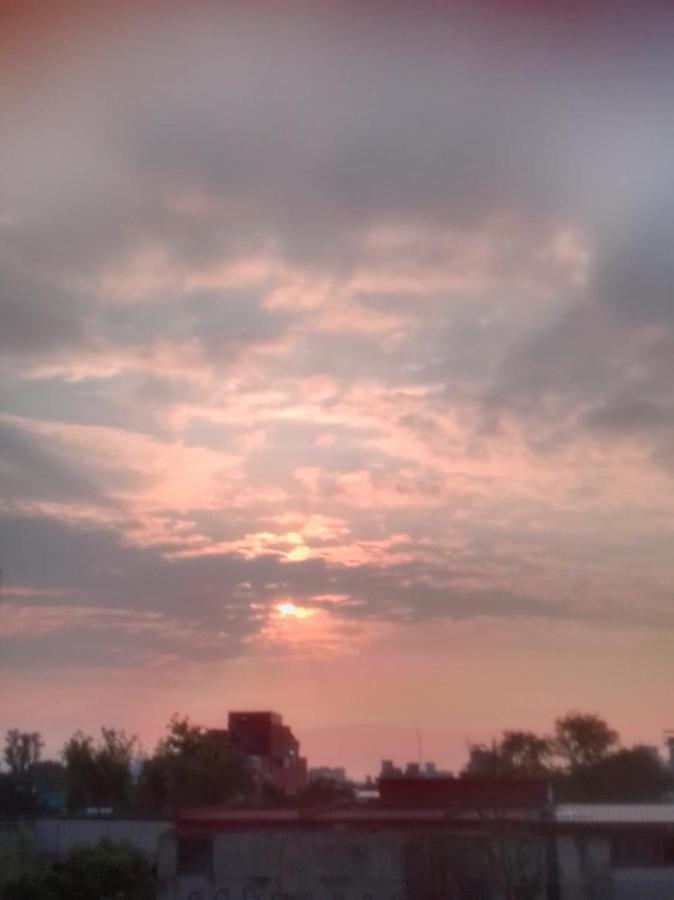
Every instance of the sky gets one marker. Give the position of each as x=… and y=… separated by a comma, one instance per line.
x=337, y=369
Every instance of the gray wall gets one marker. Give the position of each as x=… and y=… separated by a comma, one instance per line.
x=584, y=862
x=309, y=864
x=54, y=837
x=644, y=884
x=306, y=864
x=586, y=873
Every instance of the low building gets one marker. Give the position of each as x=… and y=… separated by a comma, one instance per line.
x=564, y=852
x=412, y=770
x=464, y=793
x=476, y=848
x=389, y=768
x=615, y=851
x=354, y=853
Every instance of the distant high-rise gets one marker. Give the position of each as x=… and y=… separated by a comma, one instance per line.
x=272, y=748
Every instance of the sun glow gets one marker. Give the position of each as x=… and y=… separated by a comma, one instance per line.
x=288, y=609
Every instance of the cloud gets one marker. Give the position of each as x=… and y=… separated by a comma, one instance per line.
x=224, y=134
x=37, y=316
x=369, y=316
x=630, y=417
x=31, y=471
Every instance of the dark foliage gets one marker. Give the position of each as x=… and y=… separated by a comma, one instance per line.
x=517, y=754
x=326, y=792
x=191, y=767
x=22, y=750
x=105, y=871
x=21, y=755
x=99, y=774
x=626, y=776
x=583, y=760
x=583, y=739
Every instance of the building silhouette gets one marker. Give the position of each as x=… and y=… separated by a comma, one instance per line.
x=270, y=746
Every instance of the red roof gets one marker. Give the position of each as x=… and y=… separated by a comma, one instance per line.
x=231, y=819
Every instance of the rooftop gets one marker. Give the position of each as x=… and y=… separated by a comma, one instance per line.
x=230, y=819
x=580, y=815
x=615, y=813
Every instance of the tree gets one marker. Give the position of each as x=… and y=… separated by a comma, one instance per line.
x=192, y=767
x=594, y=768
x=79, y=759
x=484, y=762
x=512, y=859
x=519, y=754
x=627, y=776
x=48, y=780
x=105, y=871
x=21, y=753
x=325, y=792
x=99, y=774
x=114, y=757
x=583, y=739
x=22, y=750
x=18, y=856
x=525, y=753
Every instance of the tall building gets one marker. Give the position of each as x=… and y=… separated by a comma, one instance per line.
x=272, y=748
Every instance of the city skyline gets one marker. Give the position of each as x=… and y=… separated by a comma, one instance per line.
x=337, y=369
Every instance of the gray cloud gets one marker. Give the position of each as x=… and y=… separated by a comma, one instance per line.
x=35, y=315
x=200, y=609
x=305, y=139
x=630, y=416
x=30, y=471
x=636, y=271
x=213, y=140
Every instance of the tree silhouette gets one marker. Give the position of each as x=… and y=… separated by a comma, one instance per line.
x=191, y=767
x=99, y=774
x=22, y=750
x=583, y=739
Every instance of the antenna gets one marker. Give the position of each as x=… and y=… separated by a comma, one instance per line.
x=421, y=757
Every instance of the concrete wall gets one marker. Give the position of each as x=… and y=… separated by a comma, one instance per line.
x=585, y=873
x=55, y=837
x=263, y=865
x=584, y=862
x=643, y=884
x=381, y=864
x=305, y=864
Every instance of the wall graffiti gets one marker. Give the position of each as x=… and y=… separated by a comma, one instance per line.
x=270, y=867
x=255, y=893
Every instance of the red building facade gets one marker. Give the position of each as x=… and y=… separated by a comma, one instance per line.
x=272, y=748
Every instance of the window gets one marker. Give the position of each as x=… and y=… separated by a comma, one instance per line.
x=195, y=856
x=642, y=850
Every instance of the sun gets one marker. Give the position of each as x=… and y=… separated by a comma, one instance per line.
x=289, y=609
